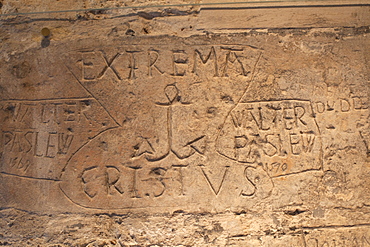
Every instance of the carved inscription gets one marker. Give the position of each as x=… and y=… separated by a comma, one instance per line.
x=103, y=174
x=46, y=132
x=141, y=62
x=170, y=125
x=157, y=163
x=354, y=103
x=282, y=136
x=125, y=187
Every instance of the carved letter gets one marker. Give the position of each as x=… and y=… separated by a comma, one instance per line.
x=8, y=137
x=37, y=145
x=181, y=177
x=89, y=176
x=320, y=107
x=259, y=120
x=231, y=57
x=151, y=63
x=288, y=116
x=299, y=114
x=216, y=191
x=17, y=145
x=50, y=146
x=205, y=60
x=344, y=105
x=88, y=69
x=294, y=141
x=132, y=65
x=241, y=141
x=330, y=107
x=273, y=148
x=109, y=65
x=134, y=182
x=179, y=61
x=64, y=142
x=260, y=184
x=238, y=118
x=29, y=142
x=70, y=112
x=248, y=173
x=113, y=176
x=307, y=142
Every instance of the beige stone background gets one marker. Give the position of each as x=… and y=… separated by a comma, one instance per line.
x=184, y=123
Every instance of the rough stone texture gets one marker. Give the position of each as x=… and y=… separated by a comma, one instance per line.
x=244, y=125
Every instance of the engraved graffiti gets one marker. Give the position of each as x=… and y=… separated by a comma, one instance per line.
x=164, y=159
x=274, y=133
x=354, y=103
x=45, y=132
x=132, y=63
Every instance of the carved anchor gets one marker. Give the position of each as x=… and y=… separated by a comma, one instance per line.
x=197, y=145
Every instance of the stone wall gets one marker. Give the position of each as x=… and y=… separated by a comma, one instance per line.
x=135, y=124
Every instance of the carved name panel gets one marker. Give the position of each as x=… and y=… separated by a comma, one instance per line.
x=281, y=136
x=43, y=134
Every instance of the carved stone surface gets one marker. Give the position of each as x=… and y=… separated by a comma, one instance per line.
x=257, y=138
